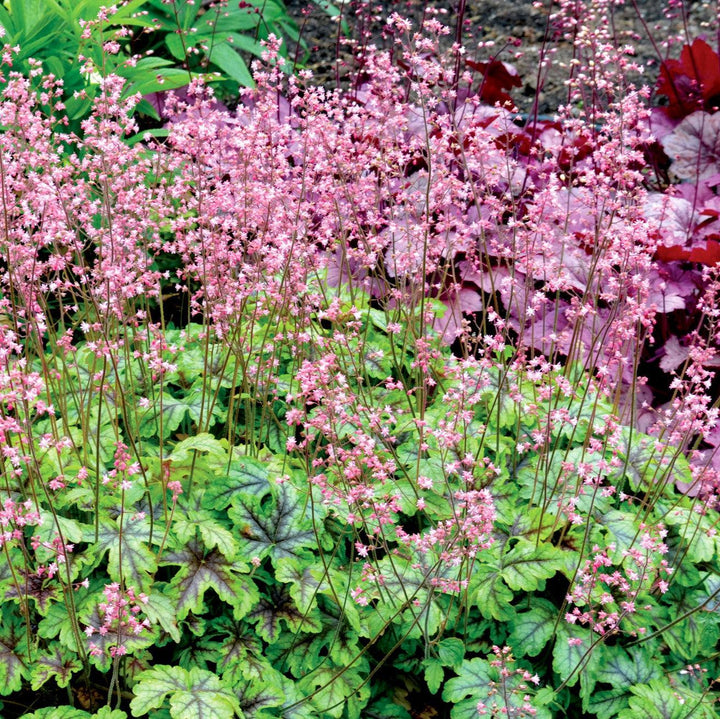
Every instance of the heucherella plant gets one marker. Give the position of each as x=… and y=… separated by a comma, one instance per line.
x=333, y=406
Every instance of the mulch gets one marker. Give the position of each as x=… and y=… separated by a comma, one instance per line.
x=642, y=23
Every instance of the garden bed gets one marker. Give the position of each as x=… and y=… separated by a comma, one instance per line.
x=391, y=401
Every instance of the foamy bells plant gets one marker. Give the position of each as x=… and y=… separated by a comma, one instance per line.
x=244, y=472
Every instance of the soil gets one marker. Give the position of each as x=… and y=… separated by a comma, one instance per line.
x=654, y=33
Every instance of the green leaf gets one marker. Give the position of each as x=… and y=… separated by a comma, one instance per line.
x=434, y=674
x=451, y=651
x=64, y=712
x=58, y=622
x=572, y=653
x=175, y=45
x=13, y=652
x=387, y=708
x=57, y=664
x=195, y=519
x=200, y=404
x=269, y=611
x=526, y=566
x=641, y=461
x=335, y=690
x=159, y=609
x=300, y=574
x=608, y=704
x=478, y=681
x=492, y=597
x=244, y=43
x=472, y=685
x=335, y=642
x=108, y=713
x=230, y=62
x=104, y=441
x=194, y=694
x=241, y=655
x=410, y=584
x=166, y=78
x=623, y=528
x=655, y=700
x=198, y=653
x=173, y=410
x=200, y=571
x=622, y=668
x=237, y=18
x=47, y=531
x=280, y=527
x=533, y=629
x=245, y=477
x=215, y=535
x=68, y=712
x=77, y=107
x=138, y=662
x=528, y=522
x=271, y=692
x=275, y=435
x=129, y=557
x=185, y=451
x=710, y=596
x=697, y=634
x=696, y=533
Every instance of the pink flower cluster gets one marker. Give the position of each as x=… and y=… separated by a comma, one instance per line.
x=509, y=695
x=454, y=541
x=605, y=593
x=120, y=615
x=14, y=516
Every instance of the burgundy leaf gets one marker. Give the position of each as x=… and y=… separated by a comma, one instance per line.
x=692, y=82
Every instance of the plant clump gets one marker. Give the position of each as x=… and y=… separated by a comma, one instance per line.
x=342, y=382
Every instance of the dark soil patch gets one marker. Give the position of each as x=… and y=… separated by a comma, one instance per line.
x=644, y=24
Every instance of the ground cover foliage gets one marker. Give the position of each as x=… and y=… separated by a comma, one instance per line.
x=380, y=402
